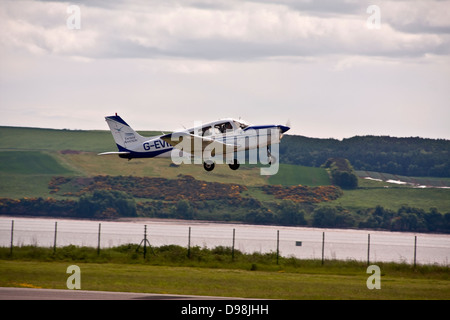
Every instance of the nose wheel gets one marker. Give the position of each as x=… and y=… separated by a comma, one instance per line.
x=208, y=165
x=234, y=165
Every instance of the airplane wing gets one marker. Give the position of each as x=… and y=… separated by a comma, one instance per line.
x=191, y=143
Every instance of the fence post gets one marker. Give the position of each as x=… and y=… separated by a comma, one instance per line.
x=278, y=244
x=98, y=246
x=145, y=242
x=189, y=243
x=232, y=248
x=323, y=246
x=368, y=249
x=415, y=250
x=54, y=241
x=12, y=237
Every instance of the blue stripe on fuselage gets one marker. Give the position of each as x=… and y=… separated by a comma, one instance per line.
x=260, y=127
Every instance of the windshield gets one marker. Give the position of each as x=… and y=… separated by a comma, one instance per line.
x=241, y=124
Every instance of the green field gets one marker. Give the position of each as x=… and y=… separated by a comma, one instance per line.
x=30, y=162
x=395, y=197
x=221, y=282
x=27, y=173
x=214, y=273
x=411, y=181
x=18, y=138
x=289, y=174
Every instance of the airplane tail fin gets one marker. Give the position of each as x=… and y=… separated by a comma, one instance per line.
x=125, y=137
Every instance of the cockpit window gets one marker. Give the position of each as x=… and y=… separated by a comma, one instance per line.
x=207, y=131
x=241, y=124
x=224, y=127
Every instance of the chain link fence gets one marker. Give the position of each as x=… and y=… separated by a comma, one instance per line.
x=302, y=243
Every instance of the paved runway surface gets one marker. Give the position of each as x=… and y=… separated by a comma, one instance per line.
x=56, y=294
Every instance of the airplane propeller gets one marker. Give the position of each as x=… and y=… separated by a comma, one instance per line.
x=288, y=124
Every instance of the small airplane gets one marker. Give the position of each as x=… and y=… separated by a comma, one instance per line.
x=227, y=137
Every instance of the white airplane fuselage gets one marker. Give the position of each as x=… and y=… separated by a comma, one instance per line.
x=223, y=136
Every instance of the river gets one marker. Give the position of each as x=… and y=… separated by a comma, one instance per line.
x=299, y=242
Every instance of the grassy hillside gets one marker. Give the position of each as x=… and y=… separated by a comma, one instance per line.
x=40, y=153
x=289, y=175
x=18, y=138
x=30, y=162
x=90, y=164
x=395, y=197
x=14, y=138
x=30, y=157
x=27, y=173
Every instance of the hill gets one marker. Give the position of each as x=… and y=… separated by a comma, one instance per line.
x=44, y=170
x=22, y=138
x=412, y=156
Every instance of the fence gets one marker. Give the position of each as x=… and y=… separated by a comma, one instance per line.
x=303, y=243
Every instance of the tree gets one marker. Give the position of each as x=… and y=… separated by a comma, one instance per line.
x=434, y=220
x=344, y=179
x=412, y=156
x=99, y=204
x=259, y=216
x=409, y=219
x=183, y=209
x=324, y=217
x=290, y=214
x=342, y=173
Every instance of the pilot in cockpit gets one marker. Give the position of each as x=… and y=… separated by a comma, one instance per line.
x=225, y=127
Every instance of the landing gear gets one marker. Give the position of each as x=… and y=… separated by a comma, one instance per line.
x=272, y=159
x=234, y=165
x=208, y=165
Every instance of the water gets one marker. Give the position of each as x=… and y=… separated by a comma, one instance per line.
x=341, y=244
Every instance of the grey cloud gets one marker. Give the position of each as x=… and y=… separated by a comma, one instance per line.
x=322, y=6
x=228, y=30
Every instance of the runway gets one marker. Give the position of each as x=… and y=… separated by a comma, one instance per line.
x=11, y=293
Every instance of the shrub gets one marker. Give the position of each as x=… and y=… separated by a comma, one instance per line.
x=342, y=173
x=106, y=203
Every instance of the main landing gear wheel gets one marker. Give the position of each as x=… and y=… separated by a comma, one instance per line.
x=208, y=165
x=234, y=165
x=272, y=159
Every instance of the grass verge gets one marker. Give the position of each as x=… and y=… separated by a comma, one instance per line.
x=168, y=269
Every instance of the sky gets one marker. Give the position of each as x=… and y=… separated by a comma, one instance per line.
x=329, y=69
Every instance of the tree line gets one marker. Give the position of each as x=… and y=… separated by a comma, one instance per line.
x=412, y=156
x=100, y=204
x=110, y=204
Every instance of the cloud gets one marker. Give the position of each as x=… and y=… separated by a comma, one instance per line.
x=40, y=28
x=418, y=16
x=164, y=63
x=231, y=30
